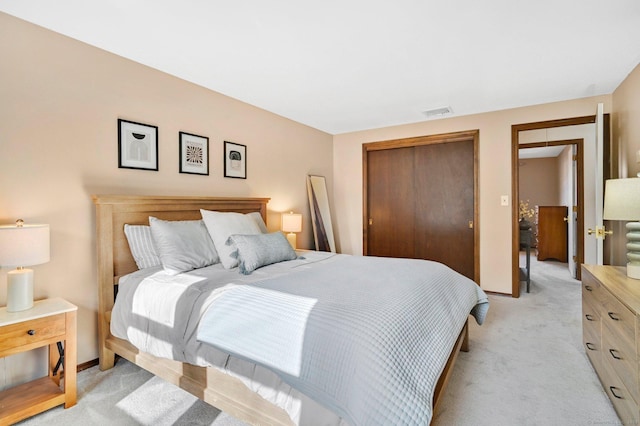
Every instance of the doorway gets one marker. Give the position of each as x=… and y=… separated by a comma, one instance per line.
x=420, y=199
x=515, y=145
x=558, y=200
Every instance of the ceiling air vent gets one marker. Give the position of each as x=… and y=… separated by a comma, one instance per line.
x=438, y=112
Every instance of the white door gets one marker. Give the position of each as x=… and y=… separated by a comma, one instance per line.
x=599, y=191
x=572, y=214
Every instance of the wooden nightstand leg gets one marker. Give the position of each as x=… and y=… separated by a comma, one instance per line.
x=70, y=361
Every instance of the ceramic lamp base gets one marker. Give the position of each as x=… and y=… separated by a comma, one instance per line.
x=291, y=237
x=633, y=271
x=633, y=250
x=19, y=290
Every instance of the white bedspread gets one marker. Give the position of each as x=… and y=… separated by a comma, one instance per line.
x=161, y=315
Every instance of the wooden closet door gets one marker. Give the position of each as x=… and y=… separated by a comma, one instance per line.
x=444, y=206
x=390, y=202
x=420, y=202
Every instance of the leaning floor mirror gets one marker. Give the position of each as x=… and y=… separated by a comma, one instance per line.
x=320, y=213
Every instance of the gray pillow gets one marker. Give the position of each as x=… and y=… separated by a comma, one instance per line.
x=255, y=251
x=141, y=245
x=221, y=225
x=182, y=245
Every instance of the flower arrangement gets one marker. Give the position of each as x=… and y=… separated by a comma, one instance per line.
x=525, y=211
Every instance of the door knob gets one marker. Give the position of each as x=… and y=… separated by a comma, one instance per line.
x=600, y=232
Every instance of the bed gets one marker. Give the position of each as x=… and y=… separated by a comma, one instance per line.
x=233, y=393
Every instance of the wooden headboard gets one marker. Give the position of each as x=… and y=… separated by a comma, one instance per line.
x=114, y=211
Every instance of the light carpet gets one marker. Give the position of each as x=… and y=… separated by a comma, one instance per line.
x=526, y=366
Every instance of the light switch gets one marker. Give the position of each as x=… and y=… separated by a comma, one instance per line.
x=504, y=200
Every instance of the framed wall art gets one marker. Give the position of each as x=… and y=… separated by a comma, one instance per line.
x=235, y=160
x=194, y=154
x=137, y=145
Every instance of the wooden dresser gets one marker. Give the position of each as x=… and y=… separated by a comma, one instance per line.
x=552, y=232
x=611, y=334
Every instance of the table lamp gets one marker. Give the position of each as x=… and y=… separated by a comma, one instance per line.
x=622, y=202
x=291, y=223
x=22, y=245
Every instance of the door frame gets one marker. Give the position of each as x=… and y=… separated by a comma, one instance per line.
x=463, y=136
x=515, y=143
x=579, y=143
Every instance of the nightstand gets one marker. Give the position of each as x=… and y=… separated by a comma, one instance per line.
x=48, y=323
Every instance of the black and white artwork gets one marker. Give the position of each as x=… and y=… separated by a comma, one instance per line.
x=194, y=154
x=137, y=145
x=235, y=160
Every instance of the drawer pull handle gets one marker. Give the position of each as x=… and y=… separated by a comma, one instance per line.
x=613, y=316
x=588, y=288
x=590, y=346
x=31, y=332
x=613, y=392
x=589, y=317
x=613, y=353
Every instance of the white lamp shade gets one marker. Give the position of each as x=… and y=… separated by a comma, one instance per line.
x=292, y=222
x=24, y=245
x=622, y=199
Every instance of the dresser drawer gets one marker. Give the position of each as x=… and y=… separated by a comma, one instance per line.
x=619, y=319
x=590, y=313
x=622, y=359
x=591, y=334
x=17, y=336
x=591, y=290
x=593, y=349
x=620, y=396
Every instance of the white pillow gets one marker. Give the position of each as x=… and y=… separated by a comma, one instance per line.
x=257, y=217
x=221, y=225
x=255, y=251
x=141, y=245
x=182, y=245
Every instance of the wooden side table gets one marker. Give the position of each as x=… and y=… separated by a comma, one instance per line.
x=49, y=323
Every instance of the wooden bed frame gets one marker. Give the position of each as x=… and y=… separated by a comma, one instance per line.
x=224, y=392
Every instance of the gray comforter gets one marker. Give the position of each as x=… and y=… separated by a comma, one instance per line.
x=366, y=337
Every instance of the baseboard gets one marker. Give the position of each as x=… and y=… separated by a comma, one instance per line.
x=87, y=364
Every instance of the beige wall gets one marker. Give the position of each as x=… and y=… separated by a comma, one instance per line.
x=59, y=104
x=626, y=123
x=539, y=181
x=626, y=143
x=495, y=176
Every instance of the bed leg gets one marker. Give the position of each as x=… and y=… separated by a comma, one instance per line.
x=465, y=339
x=107, y=358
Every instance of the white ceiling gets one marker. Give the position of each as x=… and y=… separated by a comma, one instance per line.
x=346, y=65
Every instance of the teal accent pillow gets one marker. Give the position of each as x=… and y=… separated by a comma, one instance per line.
x=258, y=250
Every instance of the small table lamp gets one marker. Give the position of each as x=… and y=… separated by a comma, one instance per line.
x=291, y=222
x=22, y=245
x=622, y=202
